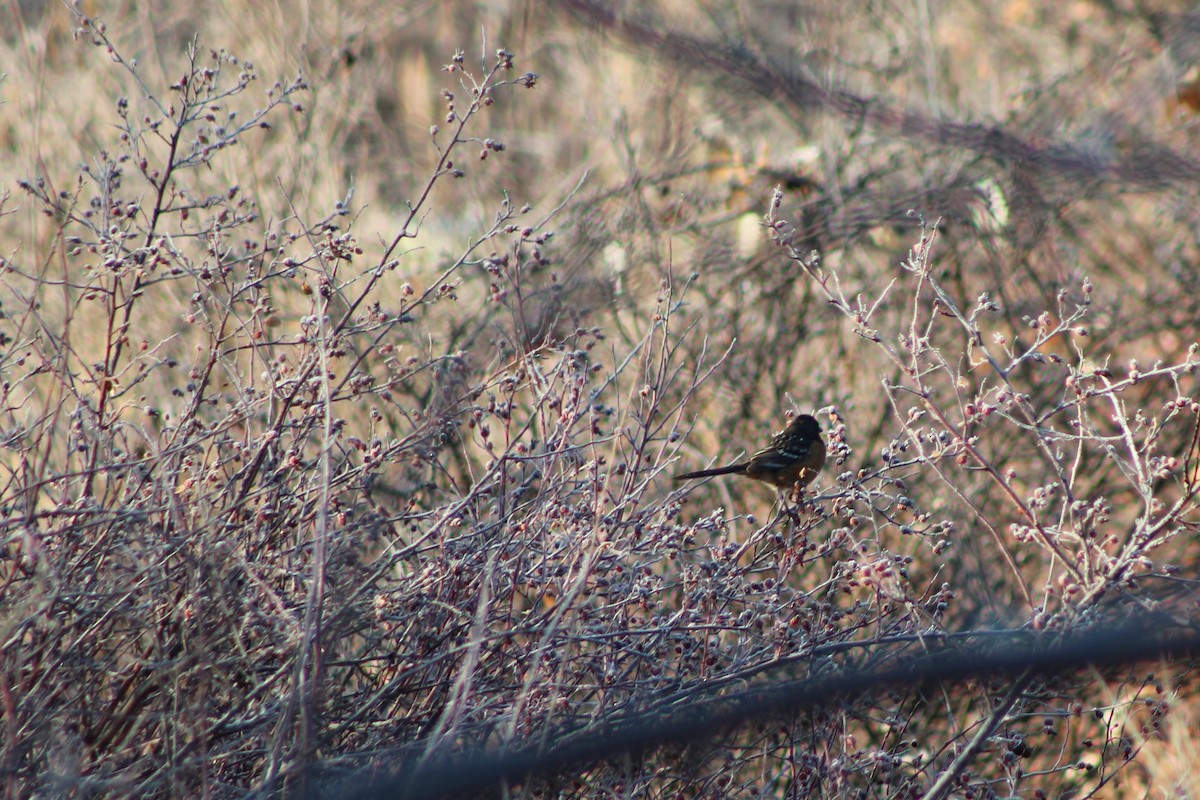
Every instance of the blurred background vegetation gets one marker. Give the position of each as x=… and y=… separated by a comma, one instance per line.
x=350, y=430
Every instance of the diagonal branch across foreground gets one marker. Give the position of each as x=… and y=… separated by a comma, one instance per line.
x=1034, y=655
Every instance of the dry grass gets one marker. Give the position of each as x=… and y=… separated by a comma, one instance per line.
x=343, y=377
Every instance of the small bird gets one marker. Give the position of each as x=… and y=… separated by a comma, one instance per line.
x=792, y=459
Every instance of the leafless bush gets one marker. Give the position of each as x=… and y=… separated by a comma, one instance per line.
x=284, y=503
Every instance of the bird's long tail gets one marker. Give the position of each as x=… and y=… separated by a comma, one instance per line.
x=708, y=473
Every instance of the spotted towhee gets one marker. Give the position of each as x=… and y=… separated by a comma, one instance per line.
x=792, y=459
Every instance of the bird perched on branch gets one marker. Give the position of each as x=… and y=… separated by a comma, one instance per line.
x=792, y=459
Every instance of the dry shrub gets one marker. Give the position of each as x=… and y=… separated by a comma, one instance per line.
x=284, y=499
